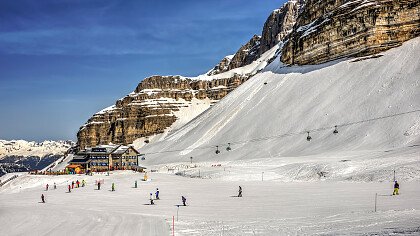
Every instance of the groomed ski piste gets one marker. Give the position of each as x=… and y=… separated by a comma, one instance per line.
x=291, y=186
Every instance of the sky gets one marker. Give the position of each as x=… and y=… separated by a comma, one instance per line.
x=61, y=61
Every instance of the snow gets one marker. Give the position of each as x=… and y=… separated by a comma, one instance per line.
x=266, y=208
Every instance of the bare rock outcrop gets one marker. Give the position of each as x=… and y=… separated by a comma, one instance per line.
x=332, y=29
x=279, y=24
x=149, y=110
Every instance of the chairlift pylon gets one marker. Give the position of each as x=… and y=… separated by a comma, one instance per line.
x=309, y=137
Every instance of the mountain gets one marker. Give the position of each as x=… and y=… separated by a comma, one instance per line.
x=266, y=119
x=161, y=104
x=332, y=29
x=301, y=32
x=21, y=155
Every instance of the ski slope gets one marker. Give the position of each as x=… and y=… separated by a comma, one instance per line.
x=266, y=208
x=300, y=98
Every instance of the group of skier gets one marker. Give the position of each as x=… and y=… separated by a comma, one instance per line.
x=152, y=202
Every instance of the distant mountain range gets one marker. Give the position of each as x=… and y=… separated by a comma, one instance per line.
x=21, y=155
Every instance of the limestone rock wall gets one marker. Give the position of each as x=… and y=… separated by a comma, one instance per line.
x=279, y=24
x=332, y=29
x=149, y=109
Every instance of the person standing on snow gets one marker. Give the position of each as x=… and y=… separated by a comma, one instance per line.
x=151, y=199
x=240, y=192
x=396, y=188
x=42, y=198
x=46, y=187
x=157, y=193
x=78, y=183
x=55, y=186
x=72, y=184
x=69, y=188
x=99, y=185
x=83, y=183
x=113, y=187
x=135, y=184
x=184, y=200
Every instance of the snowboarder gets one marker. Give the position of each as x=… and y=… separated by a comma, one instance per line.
x=157, y=194
x=72, y=184
x=69, y=188
x=396, y=188
x=42, y=198
x=99, y=185
x=135, y=184
x=113, y=187
x=78, y=183
x=184, y=200
x=55, y=186
x=46, y=187
x=151, y=199
x=240, y=192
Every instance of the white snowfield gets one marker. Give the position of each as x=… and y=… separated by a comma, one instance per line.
x=290, y=186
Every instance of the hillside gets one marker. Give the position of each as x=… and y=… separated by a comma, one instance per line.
x=301, y=98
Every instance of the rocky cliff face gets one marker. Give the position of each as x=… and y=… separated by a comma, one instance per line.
x=151, y=108
x=279, y=24
x=332, y=29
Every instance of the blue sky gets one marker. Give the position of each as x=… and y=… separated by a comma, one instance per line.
x=63, y=60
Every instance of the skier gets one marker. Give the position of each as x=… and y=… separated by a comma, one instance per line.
x=42, y=198
x=69, y=188
x=83, y=183
x=78, y=183
x=46, y=187
x=99, y=185
x=157, y=194
x=113, y=187
x=151, y=199
x=55, y=186
x=72, y=184
x=184, y=200
x=396, y=188
x=135, y=184
x=240, y=192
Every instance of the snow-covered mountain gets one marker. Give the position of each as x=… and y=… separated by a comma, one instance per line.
x=267, y=117
x=158, y=104
x=30, y=148
x=21, y=155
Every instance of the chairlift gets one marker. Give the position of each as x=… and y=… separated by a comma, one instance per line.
x=228, y=147
x=309, y=137
x=217, y=150
x=335, y=130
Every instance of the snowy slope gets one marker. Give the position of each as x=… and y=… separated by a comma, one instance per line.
x=301, y=98
x=25, y=148
x=266, y=208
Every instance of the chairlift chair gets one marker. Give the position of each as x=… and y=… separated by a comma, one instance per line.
x=309, y=137
x=335, y=130
x=228, y=147
x=217, y=150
